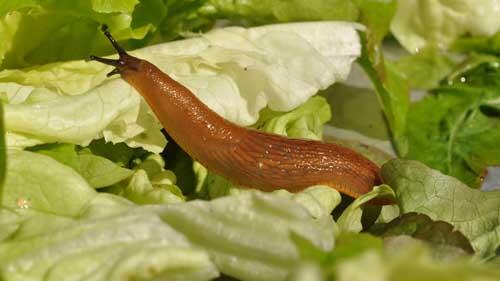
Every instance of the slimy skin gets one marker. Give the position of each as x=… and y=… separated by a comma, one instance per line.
x=246, y=157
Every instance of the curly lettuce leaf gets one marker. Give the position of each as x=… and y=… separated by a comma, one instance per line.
x=424, y=190
x=251, y=228
x=262, y=12
x=53, y=226
x=396, y=258
x=98, y=171
x=150, y=184
x=350, y=219
x=39, y=32
x=38, y=182
x=306, y=121
x=422, y=23
x=415, y=262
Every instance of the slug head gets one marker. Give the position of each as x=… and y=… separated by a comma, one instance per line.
x=124, y=63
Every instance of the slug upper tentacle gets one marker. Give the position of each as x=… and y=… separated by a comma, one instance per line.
x=244, y=156
x=124, y=62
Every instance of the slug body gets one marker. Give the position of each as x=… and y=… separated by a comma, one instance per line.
x=244, y=156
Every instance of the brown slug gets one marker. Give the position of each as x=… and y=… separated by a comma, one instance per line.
x=246, y=157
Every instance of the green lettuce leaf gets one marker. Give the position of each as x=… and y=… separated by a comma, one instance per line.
x=252, y=228
x=38, y=182
x=306, y=121
x=376, y=15
x=264, y=12
x=63, y=227
x=422, y=23
x=424, y=190
x=415, y=262
x=454, y=130
x=150, y=184
x=108, y=247
x=39, y=32
x=45, y=104
x=398, y=258
x=98, y=171
x=350, y=219
x=3, y=151
x=478, y=44
x=425, y=69
x=321, y=265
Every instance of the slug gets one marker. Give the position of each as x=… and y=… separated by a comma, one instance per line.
x=246, y=157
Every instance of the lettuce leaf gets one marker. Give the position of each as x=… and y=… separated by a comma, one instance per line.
x=38, y=182
x=98, y=171
x=456, y=130
x=422, y=23
x=306, y=121
x=425, y=69
x=38, y=32
x=283, y=11
x=396, y=258
x=350, y=219
x=248, y=235
x=57, y=225
x=415, y=262
x=150, y=184
x=3, y=150
x=424, y=190
x=478, y=44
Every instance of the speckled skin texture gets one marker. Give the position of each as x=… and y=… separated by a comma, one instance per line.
x=247, y=157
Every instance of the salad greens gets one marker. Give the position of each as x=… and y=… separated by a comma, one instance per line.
x=460, y=119
x=473, y=212
x=419, y=24
x=88, y=190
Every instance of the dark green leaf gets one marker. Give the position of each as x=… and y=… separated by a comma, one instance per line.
x=456, y=129
x=478, y=44
x=472, y=212
x=422, y=227
x=120, y=153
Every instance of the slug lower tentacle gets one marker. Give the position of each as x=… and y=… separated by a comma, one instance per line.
x=244, y=156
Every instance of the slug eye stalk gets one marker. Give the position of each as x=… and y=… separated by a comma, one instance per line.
x=124, y=62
